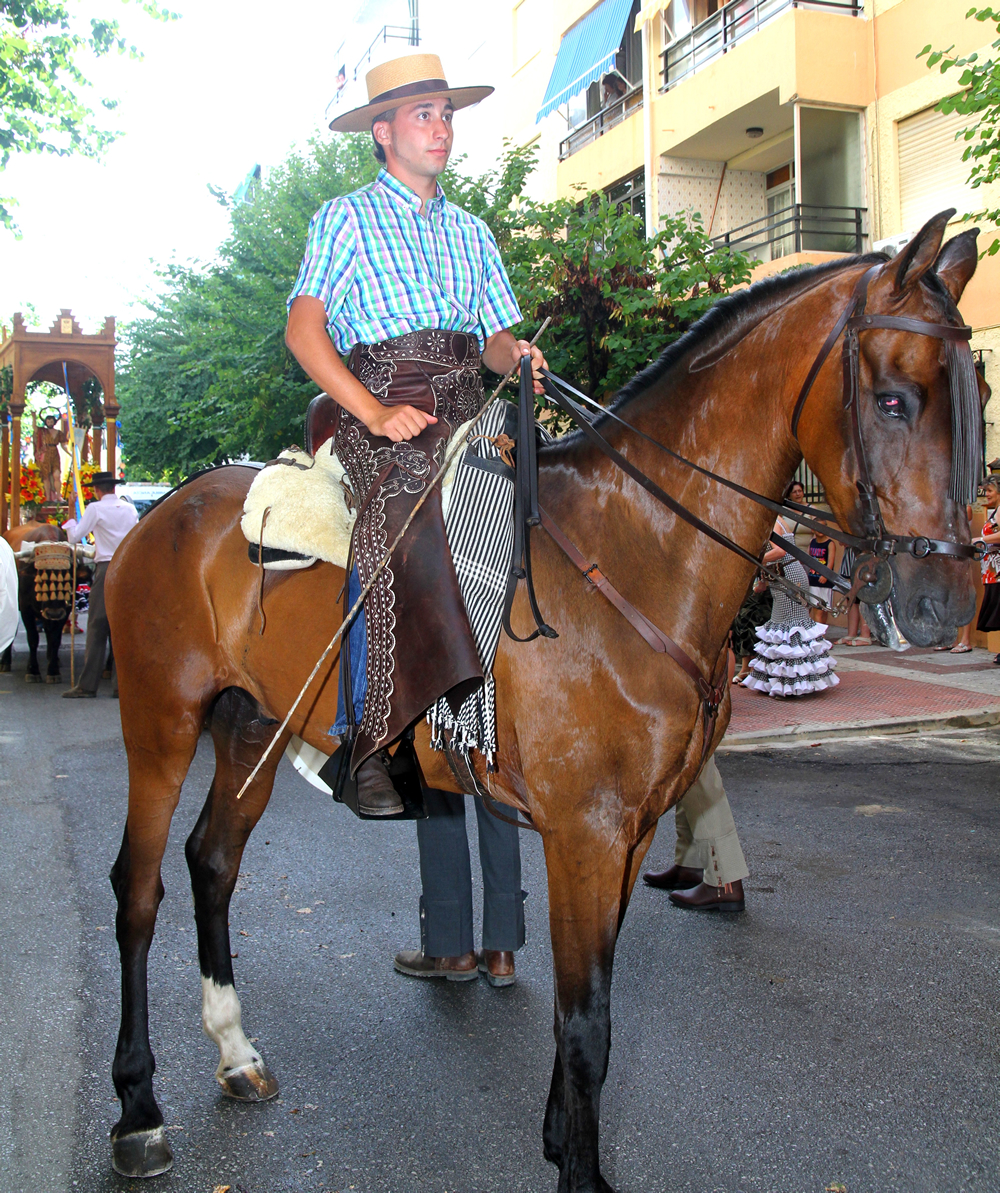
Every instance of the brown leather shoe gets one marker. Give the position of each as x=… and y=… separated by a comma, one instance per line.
x=414, y=964
x=727, y=897
x=376, y=794
x=497, y=965
x=677, y=878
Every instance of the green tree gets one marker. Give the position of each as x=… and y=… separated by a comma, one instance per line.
x=207, y=378
x=42, y=86
x=980, y=99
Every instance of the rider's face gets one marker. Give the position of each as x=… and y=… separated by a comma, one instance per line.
x=420, y=137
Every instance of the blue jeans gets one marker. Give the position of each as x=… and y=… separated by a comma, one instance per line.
x=358, y=646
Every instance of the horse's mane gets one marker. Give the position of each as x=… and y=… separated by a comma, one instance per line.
x=733, y=317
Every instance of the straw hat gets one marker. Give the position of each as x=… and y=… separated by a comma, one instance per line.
x=405, y=81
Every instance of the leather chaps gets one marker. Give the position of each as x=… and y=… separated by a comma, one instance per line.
x=420, y=645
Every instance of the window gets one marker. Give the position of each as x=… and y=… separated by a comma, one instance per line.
x=780, y=197
x=630, y=195
x=932, y=175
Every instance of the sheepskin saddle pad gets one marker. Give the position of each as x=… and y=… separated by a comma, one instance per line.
x=301, y=502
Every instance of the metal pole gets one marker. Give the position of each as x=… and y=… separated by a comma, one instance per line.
x=4, y=471
x=15, y=469
x=72, y=624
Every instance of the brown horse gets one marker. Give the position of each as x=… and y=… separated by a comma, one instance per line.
x=598, y=734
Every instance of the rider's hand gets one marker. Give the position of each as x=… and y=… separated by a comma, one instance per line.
x=538, y=361
x=400, y=422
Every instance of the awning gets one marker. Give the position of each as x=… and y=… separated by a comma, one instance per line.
x=648, y=11
x=585, y=53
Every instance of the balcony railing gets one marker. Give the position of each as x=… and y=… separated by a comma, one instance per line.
x=802, y=227
x=598, y=125
x=730, y=25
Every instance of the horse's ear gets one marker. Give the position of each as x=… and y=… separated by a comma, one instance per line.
x=918, y=257
x=956, y=262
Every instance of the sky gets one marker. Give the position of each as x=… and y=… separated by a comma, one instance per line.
x=228, y=85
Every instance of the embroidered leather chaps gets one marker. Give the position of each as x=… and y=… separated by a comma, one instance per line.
x=420, y=646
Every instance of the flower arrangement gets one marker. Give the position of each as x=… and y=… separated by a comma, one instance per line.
x=86, y=483
x=32, y=489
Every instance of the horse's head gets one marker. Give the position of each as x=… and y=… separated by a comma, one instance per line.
x=908, y=384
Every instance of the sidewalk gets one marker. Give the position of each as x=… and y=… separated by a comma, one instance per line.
x=880, y=691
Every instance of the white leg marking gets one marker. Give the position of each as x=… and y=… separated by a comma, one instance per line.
x=220, y=1018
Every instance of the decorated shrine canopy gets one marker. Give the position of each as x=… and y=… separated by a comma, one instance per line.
x=40, y=356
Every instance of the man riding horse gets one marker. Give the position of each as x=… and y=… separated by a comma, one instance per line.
x=414, y=290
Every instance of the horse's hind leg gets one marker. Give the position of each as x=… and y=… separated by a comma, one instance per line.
x=590, y=882
x=158, y=761
x=6, y=657
x=213, y=851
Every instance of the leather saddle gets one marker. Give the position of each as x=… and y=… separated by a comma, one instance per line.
x=321, y=422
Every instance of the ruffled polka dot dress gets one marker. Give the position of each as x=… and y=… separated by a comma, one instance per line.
x=792, y=655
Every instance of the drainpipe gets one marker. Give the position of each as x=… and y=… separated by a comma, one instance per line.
x=648, y=91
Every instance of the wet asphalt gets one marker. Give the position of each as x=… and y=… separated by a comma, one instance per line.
x=841, y=1032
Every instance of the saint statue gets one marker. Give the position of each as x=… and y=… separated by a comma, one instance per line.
x=48, y=437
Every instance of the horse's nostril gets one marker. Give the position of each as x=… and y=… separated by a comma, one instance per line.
x=927, y=612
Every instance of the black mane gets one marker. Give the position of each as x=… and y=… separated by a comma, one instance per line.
x=733, y=316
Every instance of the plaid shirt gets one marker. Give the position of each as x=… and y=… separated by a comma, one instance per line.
x=382, y=269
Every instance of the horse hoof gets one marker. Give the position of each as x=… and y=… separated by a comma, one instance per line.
x=248, y=1083
x=141, y=1153
x=53, y=679
x=4, y=667
x=29, y=678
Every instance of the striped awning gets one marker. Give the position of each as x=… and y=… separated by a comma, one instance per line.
x=585, y=53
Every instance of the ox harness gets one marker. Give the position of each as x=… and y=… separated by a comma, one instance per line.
x=871, y=580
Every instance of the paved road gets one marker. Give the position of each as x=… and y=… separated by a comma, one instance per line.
x=843, y=1030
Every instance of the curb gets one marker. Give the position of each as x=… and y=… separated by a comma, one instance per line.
x=803, y=735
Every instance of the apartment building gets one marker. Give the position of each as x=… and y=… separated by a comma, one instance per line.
x=797, y=129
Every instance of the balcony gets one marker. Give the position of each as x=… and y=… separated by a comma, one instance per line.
x=597, y=126
x=801, y=227
x=733, y=23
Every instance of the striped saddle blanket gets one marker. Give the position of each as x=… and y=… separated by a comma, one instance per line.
x=296, y=513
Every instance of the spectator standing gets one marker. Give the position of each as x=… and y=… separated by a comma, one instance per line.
x=854, y=618
x=821, y=549
x=989, y=611
x=9, y=615
x=109, y=519
x=792, y=656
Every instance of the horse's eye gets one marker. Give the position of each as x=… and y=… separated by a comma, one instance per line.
x=891, y=404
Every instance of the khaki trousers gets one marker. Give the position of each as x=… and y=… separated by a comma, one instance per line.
x=706, y=831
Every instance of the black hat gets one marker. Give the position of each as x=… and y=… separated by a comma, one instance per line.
x=104, y=480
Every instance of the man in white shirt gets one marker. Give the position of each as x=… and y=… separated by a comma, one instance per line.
x=109, y=519
x=8, y=595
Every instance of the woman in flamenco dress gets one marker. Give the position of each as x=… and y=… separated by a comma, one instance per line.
x=792, y=654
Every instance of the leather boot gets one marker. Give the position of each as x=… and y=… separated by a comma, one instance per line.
x=416, y=964
x=497, y=965
x=677, y=878
x=376, y=794
x=727, y=897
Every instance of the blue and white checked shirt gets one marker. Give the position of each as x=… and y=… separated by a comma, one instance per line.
x=382, y=269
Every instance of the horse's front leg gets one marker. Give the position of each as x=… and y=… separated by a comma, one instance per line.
x=591, y=874
x=213, y=851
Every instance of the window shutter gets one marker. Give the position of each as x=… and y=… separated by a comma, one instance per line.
x=932, y=175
